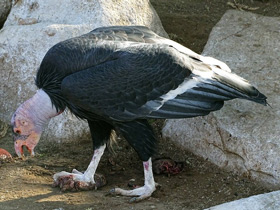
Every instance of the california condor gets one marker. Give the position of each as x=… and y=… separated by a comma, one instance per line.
x=117, y=78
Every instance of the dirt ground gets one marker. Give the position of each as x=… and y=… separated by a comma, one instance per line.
x=28, y=184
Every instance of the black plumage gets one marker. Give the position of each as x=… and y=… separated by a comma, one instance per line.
x=118, y=77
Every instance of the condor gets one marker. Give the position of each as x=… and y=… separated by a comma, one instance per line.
x=117, y=78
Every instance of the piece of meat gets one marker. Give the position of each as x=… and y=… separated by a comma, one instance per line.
x=167, y=166
x=5, y=156
x=67, y=183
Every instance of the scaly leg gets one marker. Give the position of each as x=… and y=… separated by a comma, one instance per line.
x=141, y=192
x=81, y=181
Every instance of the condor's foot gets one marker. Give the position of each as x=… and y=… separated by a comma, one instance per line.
x=144, y=192
x=77, y=181
x=138, y=194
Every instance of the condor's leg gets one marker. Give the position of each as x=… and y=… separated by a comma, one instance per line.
x=100, y=132
x=141, y=137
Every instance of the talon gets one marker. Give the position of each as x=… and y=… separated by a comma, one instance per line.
x=112, y=191
x=158, y=186
x=133, y=200
x=138, y=199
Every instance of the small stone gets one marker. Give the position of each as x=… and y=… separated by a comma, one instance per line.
x=50, y=31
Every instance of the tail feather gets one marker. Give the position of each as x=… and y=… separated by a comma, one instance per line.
x=207, y=95
x=232, y=85
x=237, y=87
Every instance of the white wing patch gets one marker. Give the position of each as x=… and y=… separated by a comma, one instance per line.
x=200, y=73
x=187, y=84
x=182, y=88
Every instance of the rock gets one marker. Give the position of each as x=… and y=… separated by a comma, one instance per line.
x=93, y=14
x=242, y=136
x=5, y=7
x=30, y=31
x=267, y=201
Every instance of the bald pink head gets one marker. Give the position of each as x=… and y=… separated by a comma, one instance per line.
x=29, y=120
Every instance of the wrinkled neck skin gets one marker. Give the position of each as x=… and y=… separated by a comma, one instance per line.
x=38, y=109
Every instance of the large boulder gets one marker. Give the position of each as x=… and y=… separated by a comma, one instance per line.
x=243, y=137
x=34, y=26
x=267, y=201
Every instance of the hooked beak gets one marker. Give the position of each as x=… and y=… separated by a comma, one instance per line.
x=19, y=144
x=29, y=141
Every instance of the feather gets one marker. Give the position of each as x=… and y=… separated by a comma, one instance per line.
x=127, y=73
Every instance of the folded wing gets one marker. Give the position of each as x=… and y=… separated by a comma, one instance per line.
x=153, y=81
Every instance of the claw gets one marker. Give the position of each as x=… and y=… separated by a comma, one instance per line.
x=133, y=200
x=138, y=194
x=138, y=199
x=112, y=191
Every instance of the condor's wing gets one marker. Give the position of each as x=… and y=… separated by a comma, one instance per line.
x=152, y=81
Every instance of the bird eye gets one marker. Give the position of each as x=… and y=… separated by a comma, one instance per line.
x=24, y=123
